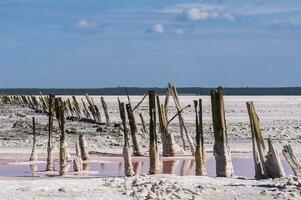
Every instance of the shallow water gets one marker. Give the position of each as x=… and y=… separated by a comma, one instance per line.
x=113, y=166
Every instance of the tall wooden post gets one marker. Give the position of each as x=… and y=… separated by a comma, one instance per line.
x=33, y=156
x=200, y=169
x=128, y=167
x=50, y=165
x=59, y=107
x=134, y=131
x=105, y=109
x=224, y=167
x=259, y=151
x=292, y=159
x=153, y=148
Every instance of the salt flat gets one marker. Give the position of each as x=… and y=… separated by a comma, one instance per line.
x=280, y=119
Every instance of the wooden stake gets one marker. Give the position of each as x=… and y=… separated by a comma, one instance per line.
x=200, y=165
x=33, y=156
x=143, y=123
x=175, y=96
x=63, y=148
x=153, y=148
x=168, y=141
x=274, y=163
x=134, y=131
x=292, y=159
x=128, y=167
x=83, y=147
x=224, y=167
x=50, y=165
x=105, y=109
x=259, y=152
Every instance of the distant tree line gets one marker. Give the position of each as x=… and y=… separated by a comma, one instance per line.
x=141, y=91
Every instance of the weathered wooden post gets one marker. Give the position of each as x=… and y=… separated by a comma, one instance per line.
x=128, y=167
x=175, y=96
x=59, y=107
x=274, y=163
x=168, y=141
x=105, y=109
x=83, y=147
x=134, y=131
x=292, y=159
x=143, y=123
x=33, y=156
x=153, y=148
x=259, y=151
x=50, y=165
x=224, y=167
x=200, y=166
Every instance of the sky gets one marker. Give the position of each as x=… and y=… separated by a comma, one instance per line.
x=110, y=43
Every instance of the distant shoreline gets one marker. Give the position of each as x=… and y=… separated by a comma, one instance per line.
x=294, y=91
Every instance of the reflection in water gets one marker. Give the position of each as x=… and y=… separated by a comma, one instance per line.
x=169, y=166
x=33, y=169
x=115, y=167
x=137, y=167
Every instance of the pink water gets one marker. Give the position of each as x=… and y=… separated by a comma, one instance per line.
x=113, y=167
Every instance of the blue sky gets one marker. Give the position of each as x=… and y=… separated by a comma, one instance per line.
x=109, y=43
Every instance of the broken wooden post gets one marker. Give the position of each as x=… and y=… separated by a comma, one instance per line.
x=50, y=165
x=153, y=148
x=105, y=109
x=134, y=131
x=200, y=166
x=59, y=107
x=83, y=147
x=175, y=96
x=168, y=141
x=224, y=167
x=33, y=156
x=143, y=123
x=259, y=152
x=274, y=164
x=128, y=167
x=292, y=159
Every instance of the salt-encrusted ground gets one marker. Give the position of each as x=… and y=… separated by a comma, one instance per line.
x=280, y=119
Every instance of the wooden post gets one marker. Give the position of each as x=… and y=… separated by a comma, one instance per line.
x=200, y=166
x=85, y=110
x=49, y=165
x=143, y=123
x=134, y=131
x=175, y=96
x=59, y=107
x=128, y=167
x=274, y=164
x=224, y=167
x=153, y=148
x=105, y=109
x=76, y=106
x=33, y=156
x=83, y=147
x=292, y=159
x=259, y=152
x=168, y=141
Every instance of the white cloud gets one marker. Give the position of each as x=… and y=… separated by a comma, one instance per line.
x=84, y=24
x=200, y=14
x=157, y=28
